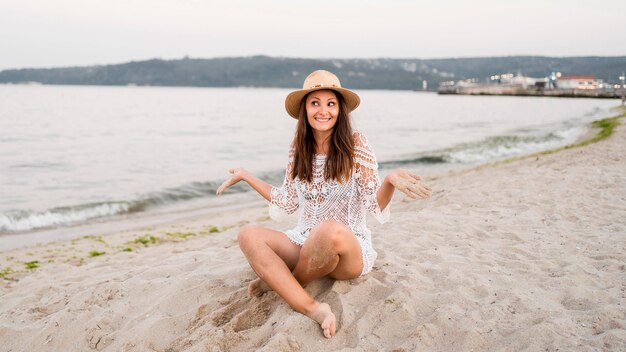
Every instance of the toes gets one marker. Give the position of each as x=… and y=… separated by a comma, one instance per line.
x=252, y=290
x=328, y=332
x=329, y=326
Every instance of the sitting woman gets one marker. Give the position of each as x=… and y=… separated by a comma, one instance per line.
x=332, y=180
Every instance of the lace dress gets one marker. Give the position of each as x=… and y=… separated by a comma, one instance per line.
x=323, y=200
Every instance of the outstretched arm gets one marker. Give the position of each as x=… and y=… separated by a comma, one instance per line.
x=281, y=199
x=378, y=194
x=240, y=174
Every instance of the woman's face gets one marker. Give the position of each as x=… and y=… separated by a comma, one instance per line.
x=322, y=109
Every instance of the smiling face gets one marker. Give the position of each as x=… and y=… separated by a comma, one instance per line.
x=322, y=110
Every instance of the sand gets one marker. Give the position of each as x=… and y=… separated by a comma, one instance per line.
x=522, y=256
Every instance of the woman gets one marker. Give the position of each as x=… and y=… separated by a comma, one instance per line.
x=332, y=179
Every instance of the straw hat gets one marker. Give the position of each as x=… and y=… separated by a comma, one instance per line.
x=319, y=80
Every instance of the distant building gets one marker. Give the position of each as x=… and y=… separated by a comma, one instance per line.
x=523, y=81
x=509, y=84
x=515, y=81
x=579, y=82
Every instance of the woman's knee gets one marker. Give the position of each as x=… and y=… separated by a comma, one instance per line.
x=331, y=232
x=246, y=235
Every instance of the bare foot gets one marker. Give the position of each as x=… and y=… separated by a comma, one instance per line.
x=325, y=317
x=257, y=287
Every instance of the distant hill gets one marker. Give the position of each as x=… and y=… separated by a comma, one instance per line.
x=264, y=71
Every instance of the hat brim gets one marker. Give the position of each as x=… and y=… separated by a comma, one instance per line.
x=294, y=99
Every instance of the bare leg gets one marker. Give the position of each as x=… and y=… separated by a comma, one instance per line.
x=279, y=243
x=273, y=270
x=331, y=249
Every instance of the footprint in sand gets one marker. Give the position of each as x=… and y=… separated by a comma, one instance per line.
x=100, y=336
x=575, y=303
x=256, y=315
x=242, y=313
x=233, y=306
x=281, y=342
x=51, y=308
x=104, y=293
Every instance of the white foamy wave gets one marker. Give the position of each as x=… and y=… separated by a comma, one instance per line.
x=506, y=146
x=59, y=217
x=570, y=135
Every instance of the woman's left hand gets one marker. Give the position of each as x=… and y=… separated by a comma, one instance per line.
x=409, y=183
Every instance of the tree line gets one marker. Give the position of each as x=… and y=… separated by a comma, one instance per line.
x=265, y=71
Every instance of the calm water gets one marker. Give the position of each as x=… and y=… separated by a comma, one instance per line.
x=69, y=154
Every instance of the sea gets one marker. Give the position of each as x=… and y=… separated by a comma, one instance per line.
x=71, y=155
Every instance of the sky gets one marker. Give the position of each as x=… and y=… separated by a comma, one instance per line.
x=44, y=33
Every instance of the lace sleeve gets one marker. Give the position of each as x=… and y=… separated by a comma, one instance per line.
x=369, y=181
x=284, y=200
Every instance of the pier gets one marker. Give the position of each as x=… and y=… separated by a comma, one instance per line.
x=552, y=86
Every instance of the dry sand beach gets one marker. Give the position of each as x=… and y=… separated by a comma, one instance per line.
x=522, y=256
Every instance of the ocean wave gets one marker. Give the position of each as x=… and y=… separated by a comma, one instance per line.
x=498, y=147
x=488, y=149
x=494, y=147
x=430, y=158
x=24, y=221
x=19, y=221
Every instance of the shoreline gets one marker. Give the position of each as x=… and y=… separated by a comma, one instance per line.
x=508, y=255
x=242, y=203
x=103, y=225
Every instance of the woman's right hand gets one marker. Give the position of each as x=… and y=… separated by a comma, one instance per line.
x=238, y=174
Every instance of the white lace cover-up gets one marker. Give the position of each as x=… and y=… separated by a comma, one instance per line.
x=323, y=200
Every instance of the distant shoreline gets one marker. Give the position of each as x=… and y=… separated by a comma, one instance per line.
x=564, y=94
x=520, y=92
x=279, y=72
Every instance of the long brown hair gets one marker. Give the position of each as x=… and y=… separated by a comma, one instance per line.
x=340, y=158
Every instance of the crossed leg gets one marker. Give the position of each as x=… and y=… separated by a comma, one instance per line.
x=331, y=249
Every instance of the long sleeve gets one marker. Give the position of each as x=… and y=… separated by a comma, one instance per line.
x=284, y=200
x=368, y=181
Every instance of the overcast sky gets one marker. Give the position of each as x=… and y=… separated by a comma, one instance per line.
x=52, y=33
